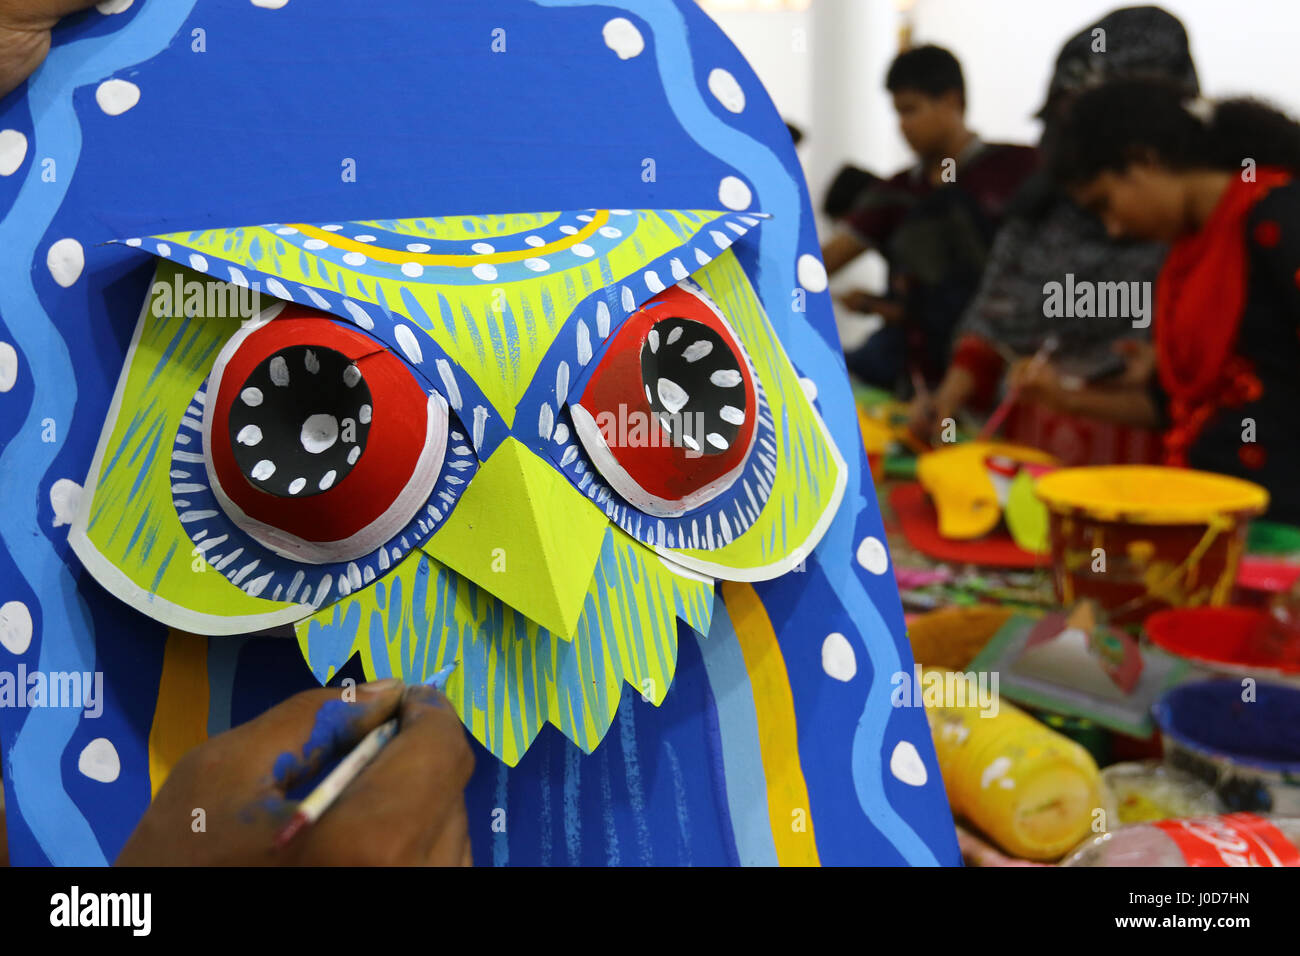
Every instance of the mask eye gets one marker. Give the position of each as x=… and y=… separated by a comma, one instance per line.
x=670, y=414
x=320, y=444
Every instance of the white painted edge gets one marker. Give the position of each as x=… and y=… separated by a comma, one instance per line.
x=112, y=579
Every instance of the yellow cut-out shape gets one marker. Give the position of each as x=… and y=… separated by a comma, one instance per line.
x=524, y=533
x=958, y=482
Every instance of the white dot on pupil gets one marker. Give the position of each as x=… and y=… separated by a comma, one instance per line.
x=673, y=396
x=697, y=350
x=716, y=440
x=311, y=362
x=319, y=433
x=251, y=396
x=327, y=479
x=690, y=443
x=731, y=415
x=353, y=455
x=653, y=338
x=263, y=470
x=674, y=335
x=364, y=415
x=297, y=485
x=249, y=435
x=725, y=378
x=279, y=371
x=351, y=376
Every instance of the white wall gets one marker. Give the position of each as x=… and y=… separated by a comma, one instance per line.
x=824, y=67
x=1007, y=49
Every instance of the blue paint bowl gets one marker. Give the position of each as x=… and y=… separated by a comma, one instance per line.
x=1248, y=750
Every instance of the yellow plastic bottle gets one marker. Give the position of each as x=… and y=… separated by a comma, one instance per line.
x=1028, y=788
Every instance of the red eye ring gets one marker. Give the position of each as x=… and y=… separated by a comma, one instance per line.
x=369, y=477
x=677, y=370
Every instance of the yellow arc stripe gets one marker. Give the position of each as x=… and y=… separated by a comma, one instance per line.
x=180, y=718
x=778, y=741
x=400, y=257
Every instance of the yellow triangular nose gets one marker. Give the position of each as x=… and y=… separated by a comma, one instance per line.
x=524, y=533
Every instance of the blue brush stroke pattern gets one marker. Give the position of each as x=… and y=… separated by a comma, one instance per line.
x=55, y=821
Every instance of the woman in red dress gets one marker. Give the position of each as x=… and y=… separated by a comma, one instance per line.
x=1223, y=375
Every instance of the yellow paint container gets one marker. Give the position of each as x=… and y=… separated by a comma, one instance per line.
x=1140, y=538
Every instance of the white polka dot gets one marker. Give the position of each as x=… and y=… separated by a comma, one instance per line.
x=251, y=396
x=15, y=627
x=838, y=659
x=351, y=376
x=485, y=271
x=65, y=260
x=872, y=555
x=671, y=395
x=906, y=764
x=353, y=455
x=364, y=238
x=164, y=249
x=297, y=485
x=115, y=97
x=653, y=282
x=484, y=248
x=731, y=415
x=198, y=262
x=734, y=194
x=8, y=366
x=610, y=232
x=279, y=370
x=359, y=315
x=725, y=378
x=717, y=441
x=110, y=7
x=812, y=274
x=535, y=241
x=65, y=498
x=263, y=470
x=569, y=230
x=364, y=415
x=315, y=244
x=583, y=250
x=332, y=227
x=412, y=270
x=249, y=435
x=354, y=258
x=270, y=4
x=418, y=247
x=727, y=91
x=809, y=388
x=622, y=36
x=319, y=433
x=99, y=760
x=536, y=264
x=13, y=150
x=327, y=480
x=286, y=231
x=133, y=243
x=409, y=343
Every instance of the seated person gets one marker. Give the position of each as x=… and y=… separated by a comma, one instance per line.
x=933, y=223
x=1217, y=183
x=1047, y=237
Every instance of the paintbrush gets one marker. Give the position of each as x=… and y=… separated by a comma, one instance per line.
x=348, y=769
x=1004, y=407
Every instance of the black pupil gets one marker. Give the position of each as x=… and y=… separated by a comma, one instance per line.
x=695, y=385
x=299, y=423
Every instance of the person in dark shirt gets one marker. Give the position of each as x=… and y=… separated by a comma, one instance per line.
x=1223, y=375
x=934, y=222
